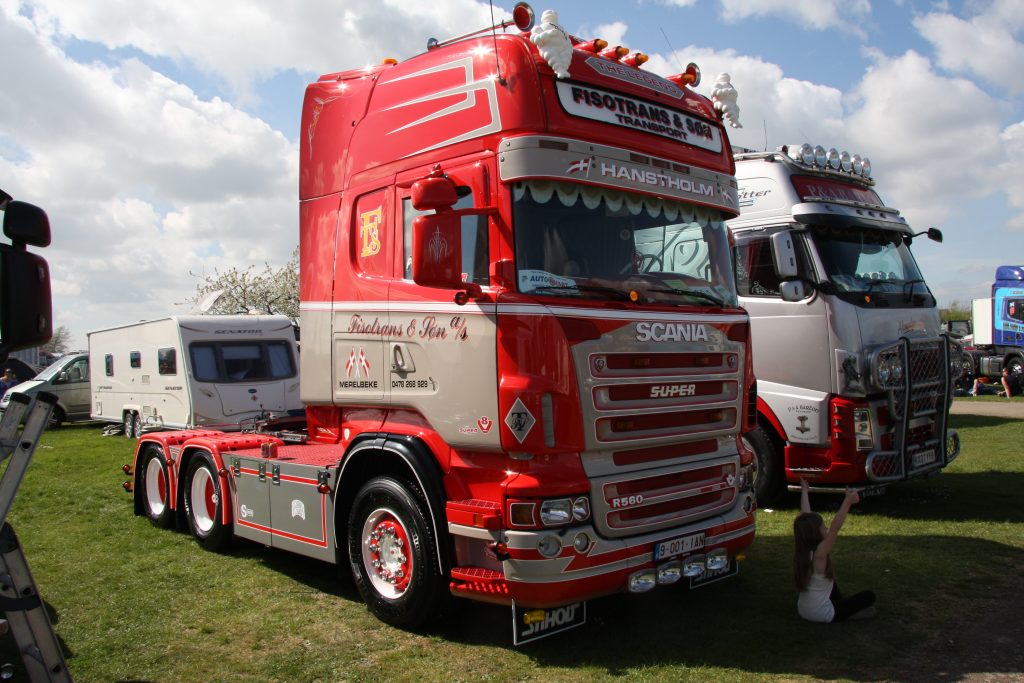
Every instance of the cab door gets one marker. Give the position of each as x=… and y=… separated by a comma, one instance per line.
x=441, y=356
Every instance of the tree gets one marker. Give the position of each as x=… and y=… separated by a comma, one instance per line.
x=956, y=311
x=250, y=291
x=59, y=342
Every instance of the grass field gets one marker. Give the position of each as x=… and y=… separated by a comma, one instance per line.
x=132, y=602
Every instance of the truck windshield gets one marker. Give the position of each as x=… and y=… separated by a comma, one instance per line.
x=865, y=260
x=594, y=243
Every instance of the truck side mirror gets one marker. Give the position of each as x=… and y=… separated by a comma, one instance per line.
x=435, y=192
x=792, y=290
x=784, y=254
x=437, y=251
x=935, y=235
x=25, y=309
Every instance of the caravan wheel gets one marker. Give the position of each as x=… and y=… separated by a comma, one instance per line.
x=129, y=425
x=203, y=503
x=154, y=488
x=137, y=425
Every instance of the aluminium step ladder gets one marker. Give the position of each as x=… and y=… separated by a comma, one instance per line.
x=20, y=601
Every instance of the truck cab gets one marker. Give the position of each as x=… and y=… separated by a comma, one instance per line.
x=854, y=373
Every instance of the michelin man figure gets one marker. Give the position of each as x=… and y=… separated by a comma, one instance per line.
x=724, y=95
x=553, y=43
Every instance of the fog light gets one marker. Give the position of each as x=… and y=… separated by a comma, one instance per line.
x=693, y=566
x=670, y=572
x=718, y=560
x=549, y=546
x=642, y=581
x=581, y=543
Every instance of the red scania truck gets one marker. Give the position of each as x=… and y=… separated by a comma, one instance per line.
x=524, y=367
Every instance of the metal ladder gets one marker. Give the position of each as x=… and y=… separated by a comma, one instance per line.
x=19, y=597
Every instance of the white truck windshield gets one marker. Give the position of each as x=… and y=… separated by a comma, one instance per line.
x=595, y=243
x=868, y=260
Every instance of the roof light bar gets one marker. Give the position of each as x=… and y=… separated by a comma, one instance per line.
x=817, y=158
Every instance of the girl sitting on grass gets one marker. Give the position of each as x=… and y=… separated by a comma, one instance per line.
x=820, y=599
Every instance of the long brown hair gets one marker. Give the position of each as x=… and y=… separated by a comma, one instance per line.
x=807, y=532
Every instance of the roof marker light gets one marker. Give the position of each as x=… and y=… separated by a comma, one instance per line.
x=858, y=165
x=594, y=46
x=845, y=162
x=522, y=15
x=866, y=166
x=819, y=156
x=833, y=158
x=690, y=77
x=793, y=152
x=615, y=52
x=635, y=60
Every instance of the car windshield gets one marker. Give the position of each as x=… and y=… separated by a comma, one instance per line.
x=54, y=368
x=868, y=260
x=594, y=243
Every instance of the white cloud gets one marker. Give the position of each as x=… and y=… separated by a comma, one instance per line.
x=243, y=41
x=143, y=180
x=789, y=109
x=614, y=33
x=987, y=45
x=1012, y=173
x=815, y=14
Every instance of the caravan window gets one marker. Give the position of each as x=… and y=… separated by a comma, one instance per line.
x=108, y=361
x=167, y=361
x=241, y=361
x=135, y=359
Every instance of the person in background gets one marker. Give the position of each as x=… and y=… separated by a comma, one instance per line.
x=7, y=381
x=1011, y=384
x=820, y=599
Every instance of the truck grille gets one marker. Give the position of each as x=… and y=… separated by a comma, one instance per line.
x=918, y=406
x=661, y=444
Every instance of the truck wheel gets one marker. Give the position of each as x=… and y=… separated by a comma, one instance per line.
x=393, y=554
x=1016, y=366
x=768, y=480
x=154, y=487
x=137, y=425
x=56, y=418
x=203, y=503
x=129, y=425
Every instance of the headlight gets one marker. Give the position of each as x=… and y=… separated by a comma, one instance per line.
x=581, y=509
x=556, y=512
x=889, y=370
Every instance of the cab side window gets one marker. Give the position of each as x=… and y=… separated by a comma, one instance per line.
x=79, y=371
x=755, y=265
x=475, y=259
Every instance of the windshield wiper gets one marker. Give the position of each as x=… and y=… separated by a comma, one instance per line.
x=616, y=293
x=689, y=292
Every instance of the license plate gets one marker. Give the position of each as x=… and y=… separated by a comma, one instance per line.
x=678, y=546
x=530, y=624
x=924, y=458
x=717, y=575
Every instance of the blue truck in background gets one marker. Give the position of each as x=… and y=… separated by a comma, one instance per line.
x=998, y=327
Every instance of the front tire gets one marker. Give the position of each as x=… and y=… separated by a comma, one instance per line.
x=154, y=487
x=204, y=501
x=768, y=483
x=393, y=554
x=56, y=418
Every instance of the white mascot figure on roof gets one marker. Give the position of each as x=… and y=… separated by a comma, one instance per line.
x=724, y=97
x=553, y=43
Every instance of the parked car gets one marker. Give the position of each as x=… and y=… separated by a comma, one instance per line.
x=68, y=379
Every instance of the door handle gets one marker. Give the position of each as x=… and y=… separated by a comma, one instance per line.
x=401, y=359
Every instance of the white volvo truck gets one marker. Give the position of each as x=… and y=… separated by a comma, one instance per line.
x=853, y=375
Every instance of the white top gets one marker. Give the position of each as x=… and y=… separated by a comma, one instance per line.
x=813, y=604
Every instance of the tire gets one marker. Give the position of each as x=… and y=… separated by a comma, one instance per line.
x=768, y=481
x=154, y=488
x=128, y=421
x=1016, y=366
x=137, y=425
x=390, y=525
x=204, y=501
x=56, y=418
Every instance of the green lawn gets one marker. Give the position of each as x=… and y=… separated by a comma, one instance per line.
x=133, y=602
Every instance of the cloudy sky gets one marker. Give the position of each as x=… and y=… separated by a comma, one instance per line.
x=162, y=137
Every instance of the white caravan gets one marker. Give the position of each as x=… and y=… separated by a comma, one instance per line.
x=215, y=371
